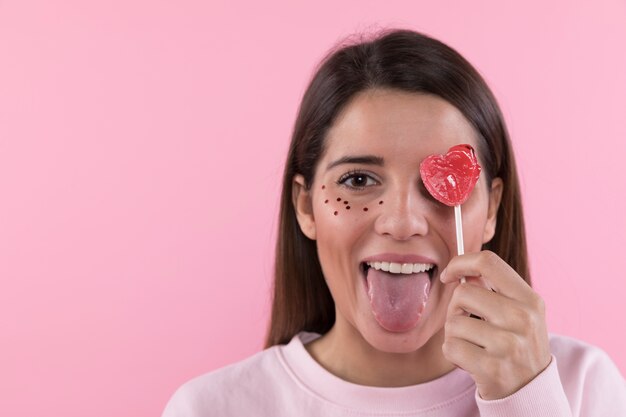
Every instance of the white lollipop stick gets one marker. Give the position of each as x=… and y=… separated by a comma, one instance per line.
x=459, y=233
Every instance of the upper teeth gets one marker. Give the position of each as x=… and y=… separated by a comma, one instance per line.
x=396, y=268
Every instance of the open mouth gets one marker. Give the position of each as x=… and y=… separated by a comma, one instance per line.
x=397, y=292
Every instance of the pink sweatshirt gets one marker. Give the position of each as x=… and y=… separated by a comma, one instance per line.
x=285, y=380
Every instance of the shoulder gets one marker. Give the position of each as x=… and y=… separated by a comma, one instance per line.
x=572, y=352
x=220, y=390
x=590, y=378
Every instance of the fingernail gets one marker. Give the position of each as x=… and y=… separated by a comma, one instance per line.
x=442, y=276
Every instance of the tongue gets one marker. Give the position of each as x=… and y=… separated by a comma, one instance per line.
x=397, y=300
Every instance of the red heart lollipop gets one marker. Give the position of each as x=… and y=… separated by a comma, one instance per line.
x=450, y=178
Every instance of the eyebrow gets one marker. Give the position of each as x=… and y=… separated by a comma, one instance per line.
x=357, y=159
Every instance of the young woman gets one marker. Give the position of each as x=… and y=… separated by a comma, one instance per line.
x=369, y=317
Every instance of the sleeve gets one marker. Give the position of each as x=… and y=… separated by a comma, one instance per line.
x=542, y=397
x=602, y=390
x=586, y=383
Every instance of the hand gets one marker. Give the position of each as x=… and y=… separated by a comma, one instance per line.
x=510, y=346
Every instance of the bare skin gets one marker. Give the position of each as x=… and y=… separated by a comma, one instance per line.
x=403, y=129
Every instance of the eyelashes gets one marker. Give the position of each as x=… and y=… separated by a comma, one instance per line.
x=356, y=180
x=360, y=176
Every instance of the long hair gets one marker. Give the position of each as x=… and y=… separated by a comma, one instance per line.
x=396, y=59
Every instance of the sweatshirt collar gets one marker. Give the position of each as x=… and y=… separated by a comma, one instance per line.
x=316, y=379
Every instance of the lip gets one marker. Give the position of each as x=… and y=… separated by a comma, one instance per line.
x=399, y=258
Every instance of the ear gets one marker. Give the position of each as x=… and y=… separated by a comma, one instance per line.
x=303, y=205
x=495, y=196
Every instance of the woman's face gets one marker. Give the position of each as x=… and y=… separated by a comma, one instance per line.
x=378, y=209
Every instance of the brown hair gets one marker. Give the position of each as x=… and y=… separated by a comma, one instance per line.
x=396, y=59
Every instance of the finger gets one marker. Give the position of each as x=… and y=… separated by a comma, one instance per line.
x=497, y=273
x=480, y=333
x=464, y=354
x=480, y=281
x=494, y=308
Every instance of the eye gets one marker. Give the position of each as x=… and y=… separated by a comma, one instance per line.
x=356, y=180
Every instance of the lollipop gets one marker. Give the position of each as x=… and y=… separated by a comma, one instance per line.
x=450, y=179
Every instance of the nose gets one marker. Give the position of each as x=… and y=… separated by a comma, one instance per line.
x=402, y=215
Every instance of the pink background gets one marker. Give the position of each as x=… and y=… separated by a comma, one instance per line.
x=141, y=148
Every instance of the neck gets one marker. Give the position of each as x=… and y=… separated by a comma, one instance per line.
x=345, y=353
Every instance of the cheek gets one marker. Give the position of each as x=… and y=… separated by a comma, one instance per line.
x=342, y=220
x=341, y=209
x=474, y=221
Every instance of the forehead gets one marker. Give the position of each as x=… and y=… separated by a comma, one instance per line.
x=396, y=124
